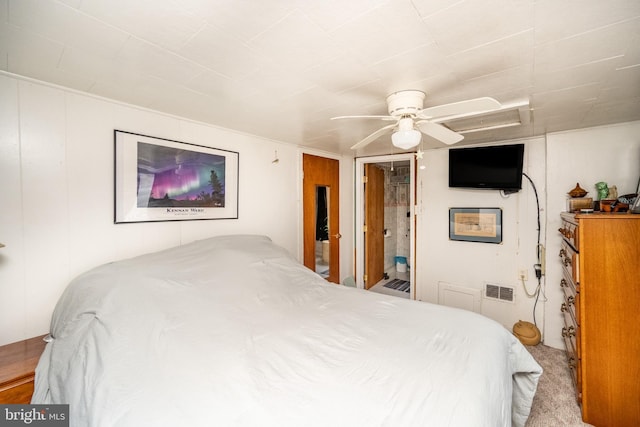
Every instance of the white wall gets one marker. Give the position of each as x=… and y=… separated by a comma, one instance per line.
x=471, y=264
x=56, y=220
x=607, y=153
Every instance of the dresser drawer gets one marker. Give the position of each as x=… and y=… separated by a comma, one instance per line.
x=570, y=259
x=569, y=231
x=568, y=309
x=570, y=335
x=571, y=298
x=567, y=284
x=575, y=369
x=17, y=392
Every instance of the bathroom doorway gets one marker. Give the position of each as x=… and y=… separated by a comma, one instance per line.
x=385, y=224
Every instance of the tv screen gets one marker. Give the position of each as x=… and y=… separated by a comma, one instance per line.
x=496, y=167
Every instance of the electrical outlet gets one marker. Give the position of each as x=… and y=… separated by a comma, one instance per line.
x=523, y=274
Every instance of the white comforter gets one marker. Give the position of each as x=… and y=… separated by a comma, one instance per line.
x=232, y=331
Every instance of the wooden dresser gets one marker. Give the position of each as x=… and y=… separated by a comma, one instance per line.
x=600, y=255
x=17, y=369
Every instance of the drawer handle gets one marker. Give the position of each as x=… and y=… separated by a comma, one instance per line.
x=562, y=253
x=563, y=308
x=568, y=333
x=566, y=262
x=572, y=363
x=571, y=300
x=567, y=232
x=563, y=283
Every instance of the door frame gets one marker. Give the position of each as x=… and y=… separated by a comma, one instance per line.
x=359, y=214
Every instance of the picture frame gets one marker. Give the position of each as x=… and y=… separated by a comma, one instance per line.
x=158, y=179
x=475, y=224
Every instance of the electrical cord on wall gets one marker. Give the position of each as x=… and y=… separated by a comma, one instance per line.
x=538, y=266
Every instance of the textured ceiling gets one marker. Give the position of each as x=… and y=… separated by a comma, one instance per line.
x=281, y=68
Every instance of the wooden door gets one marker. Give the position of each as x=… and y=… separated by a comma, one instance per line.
x=374, y=225
x=321, y=172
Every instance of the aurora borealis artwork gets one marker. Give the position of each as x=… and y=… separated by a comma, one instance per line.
x=176, y=177
x=158, y=179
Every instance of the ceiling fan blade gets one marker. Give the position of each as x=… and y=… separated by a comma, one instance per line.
x=364, y=117
x=377, y=134
x=463, y=107
x=439, y=132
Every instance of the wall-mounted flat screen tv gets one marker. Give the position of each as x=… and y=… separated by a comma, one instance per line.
x=497, y=167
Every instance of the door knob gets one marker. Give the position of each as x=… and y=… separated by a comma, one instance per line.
x=337, y=236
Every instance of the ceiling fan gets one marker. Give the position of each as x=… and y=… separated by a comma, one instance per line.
x=407, y=112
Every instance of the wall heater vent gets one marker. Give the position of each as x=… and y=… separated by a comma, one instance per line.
x=501, y=293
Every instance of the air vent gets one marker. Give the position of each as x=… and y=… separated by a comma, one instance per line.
x=500, y=293
x=513, y=114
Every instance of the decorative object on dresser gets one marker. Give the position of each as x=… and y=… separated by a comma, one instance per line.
x=634, y=200
x=635, y=205
x=600, y=256
x=577, y=200
x=17, y=369
x=577, y=204
x=602, y=188
x=578, y=191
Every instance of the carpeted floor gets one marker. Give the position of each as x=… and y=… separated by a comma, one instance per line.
x=554, y=403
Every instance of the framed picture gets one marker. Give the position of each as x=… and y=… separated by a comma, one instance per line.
x=159, y=179
x=475, y=224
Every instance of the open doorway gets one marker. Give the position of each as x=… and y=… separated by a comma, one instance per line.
x=385, y=224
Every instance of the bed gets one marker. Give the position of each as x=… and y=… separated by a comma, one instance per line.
x=233, y=331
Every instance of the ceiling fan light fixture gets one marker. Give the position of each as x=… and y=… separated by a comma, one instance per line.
x=406, y=136
x=405, y=139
